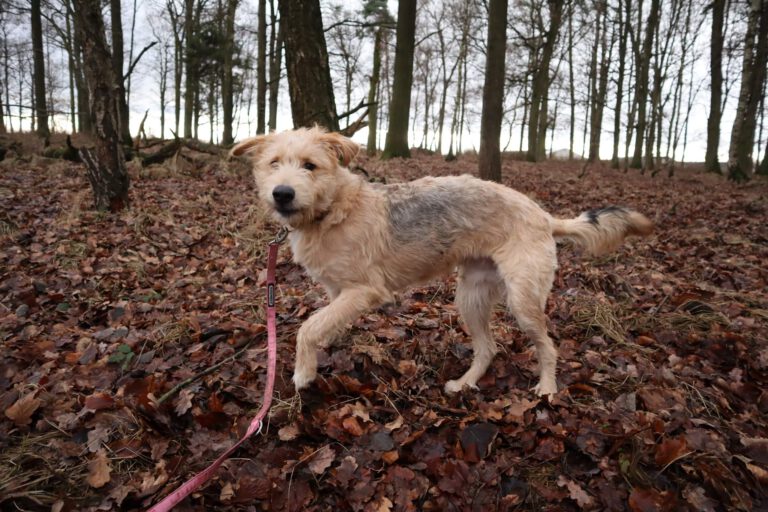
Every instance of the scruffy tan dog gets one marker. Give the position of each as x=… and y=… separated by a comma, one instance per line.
x=363, y=242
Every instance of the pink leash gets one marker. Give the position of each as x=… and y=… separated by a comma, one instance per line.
x=199, y=479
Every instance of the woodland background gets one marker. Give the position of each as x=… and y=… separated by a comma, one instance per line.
x=633, y=81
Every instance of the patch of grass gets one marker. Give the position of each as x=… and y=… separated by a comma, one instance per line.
x=599, y=317
x=70, y=253
x=28, y=478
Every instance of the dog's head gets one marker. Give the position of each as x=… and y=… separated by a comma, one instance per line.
x=298, y=173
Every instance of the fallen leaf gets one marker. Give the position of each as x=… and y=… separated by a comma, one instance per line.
x=322, y=460
x=99, y=470
x=21, y=412
x=288, y=432
x=576, y=492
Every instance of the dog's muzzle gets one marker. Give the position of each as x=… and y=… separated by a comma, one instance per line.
x=283, y=196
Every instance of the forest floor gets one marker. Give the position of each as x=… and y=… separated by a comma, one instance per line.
x=663, y=364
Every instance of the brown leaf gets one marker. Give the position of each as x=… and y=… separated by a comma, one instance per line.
x=288, y=432
x=352, y=426
x=576, y=492
x=21, y=412
x=99, y=470
x=476, y=441
x=99, y=401
x=671, y=450
x=651, y=500
x=184, y=401
x=322, y=460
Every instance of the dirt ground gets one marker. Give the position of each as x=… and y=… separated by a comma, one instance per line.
x=663, y=369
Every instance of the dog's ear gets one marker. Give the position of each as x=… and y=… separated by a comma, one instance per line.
x=346, y=150
x=249, y=146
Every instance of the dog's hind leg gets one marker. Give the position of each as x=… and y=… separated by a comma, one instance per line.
x=528, y=278
x=479, y=289
x=327, y=323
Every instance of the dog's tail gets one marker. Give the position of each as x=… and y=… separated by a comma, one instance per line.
x=602, y=230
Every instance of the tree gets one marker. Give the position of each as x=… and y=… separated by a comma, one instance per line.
x=227, y=76
x=489, y=158
x=261, y=69
x=275, y=65
x=753, y=74
x=537, y=117
x=306, y=57
x=38, y=56
x=641, y=85
x=396, y=144
x=711, y=162
x=115, y=8
x=105, y=164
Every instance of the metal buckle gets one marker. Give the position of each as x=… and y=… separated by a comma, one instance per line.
x=281, y=235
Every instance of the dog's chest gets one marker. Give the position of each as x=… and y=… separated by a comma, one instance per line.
x=326, y=259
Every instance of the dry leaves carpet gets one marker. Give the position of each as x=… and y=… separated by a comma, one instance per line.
x=663, y=371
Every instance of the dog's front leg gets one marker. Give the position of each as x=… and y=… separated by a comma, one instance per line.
x=327, y=323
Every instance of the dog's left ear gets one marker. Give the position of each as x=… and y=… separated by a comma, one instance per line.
x=345, y=149
x=248, y=147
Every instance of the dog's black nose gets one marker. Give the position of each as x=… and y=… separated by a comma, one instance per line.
x=283, y=194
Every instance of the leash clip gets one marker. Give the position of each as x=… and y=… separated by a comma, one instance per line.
x=281, y=235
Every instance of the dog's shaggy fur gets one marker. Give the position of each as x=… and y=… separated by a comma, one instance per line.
x=363, y=242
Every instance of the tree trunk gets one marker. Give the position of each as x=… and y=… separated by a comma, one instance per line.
x=753, y=73
x=275, y=65
x=396, y=144
x=594, y=133
x=537, y=120
x=115, y=8
x=489, y=158
x=306, y=58
x=261, y=69
x=623, y=32
x=711, y=162
x=571, y=85
x=227, y=78
x=373, y=93
x=642, y=83
x=105, y=164
x=190, y=67
x=38, y=56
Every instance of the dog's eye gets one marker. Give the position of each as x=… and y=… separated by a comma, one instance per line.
x=310, y=166
x=273, y=163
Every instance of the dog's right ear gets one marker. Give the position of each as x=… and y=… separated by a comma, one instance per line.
x=249, y=146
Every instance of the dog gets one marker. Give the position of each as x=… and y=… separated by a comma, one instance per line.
x=363, y=242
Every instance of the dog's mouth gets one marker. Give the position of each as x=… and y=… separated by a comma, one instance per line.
x=285, y=210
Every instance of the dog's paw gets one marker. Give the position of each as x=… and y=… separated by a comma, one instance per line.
x=454, y=386
x=545, y=389
x=302, y=379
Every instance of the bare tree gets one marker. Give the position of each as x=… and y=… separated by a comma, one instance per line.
x=106, y=163
x=38, y=55
x=306, y=55
x=489, y=158
x=397, y=134
x=753, y=74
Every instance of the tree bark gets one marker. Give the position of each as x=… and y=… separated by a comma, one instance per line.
x=642, y=83
x=537, y=120
x=711, y=162
x=105, y=164
x=227, y=79
x=753, y=74
x=306, y=58
x=38, y=57
x=115, y=8
x=275, y=65
x=625, y=6
x=261, y=69
x=396, y=144
x=489, y=158
x=190, y=67
x=373, y=93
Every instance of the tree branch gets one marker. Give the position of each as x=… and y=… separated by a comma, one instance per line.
x=136, y=61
